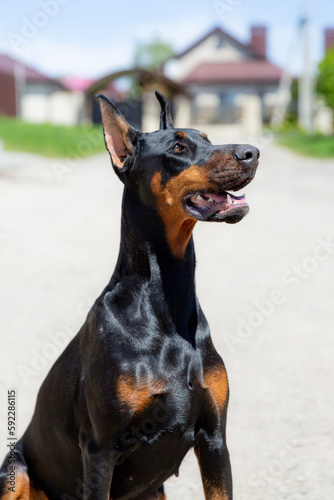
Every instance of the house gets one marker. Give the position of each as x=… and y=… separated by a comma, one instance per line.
x=28, y=94
x=18, y=83
x=216, y=81
x=224, y=77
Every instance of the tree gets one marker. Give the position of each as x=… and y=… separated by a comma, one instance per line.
x=325, y=81
x=152, y=54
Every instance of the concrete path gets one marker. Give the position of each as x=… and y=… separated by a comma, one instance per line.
x=265, y=284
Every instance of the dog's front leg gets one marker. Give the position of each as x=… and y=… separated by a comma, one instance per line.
x=214, y=463
x=98, y=466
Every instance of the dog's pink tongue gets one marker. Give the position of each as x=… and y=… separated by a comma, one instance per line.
x=225, y=199
x=229, y=199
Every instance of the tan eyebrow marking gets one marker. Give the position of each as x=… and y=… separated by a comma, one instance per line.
x=181, y=135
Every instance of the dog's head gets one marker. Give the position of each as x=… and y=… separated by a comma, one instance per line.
x=178, y=171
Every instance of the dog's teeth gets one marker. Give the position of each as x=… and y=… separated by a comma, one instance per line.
x=199, y=198
x=210, y=199
x=229, y=200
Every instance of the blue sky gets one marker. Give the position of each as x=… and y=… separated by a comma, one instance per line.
x=92, y=38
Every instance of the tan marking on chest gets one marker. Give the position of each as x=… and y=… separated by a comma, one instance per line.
x=216, y=380
x=137, y=396
x=178, y=224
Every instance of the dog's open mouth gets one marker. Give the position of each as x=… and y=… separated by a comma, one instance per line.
x=222, y=207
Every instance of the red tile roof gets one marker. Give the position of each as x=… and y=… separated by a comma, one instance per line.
x=77, y=83
x=7, y=65
x=246, y=48
x=248, y=71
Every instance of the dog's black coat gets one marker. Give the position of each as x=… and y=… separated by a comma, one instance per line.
x=142, y=383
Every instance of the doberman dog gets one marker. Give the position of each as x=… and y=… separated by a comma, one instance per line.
x=141, y=383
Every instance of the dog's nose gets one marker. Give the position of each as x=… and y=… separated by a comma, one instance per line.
x=247, y=154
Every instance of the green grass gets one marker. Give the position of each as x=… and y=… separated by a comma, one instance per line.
x=316, y=145
x=51, y=140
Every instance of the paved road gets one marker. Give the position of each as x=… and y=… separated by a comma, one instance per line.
x=266, y=285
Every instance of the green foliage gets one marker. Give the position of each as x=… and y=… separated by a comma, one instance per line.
x=152, y=54
x=325, y=82
x=316, y=145
x=50, y=140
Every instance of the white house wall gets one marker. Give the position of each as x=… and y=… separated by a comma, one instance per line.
x=207, y=51
x=66, y=107
x=34, y=108
x=265, y=92
x=58, y=108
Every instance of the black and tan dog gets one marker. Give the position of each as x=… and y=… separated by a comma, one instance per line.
x=142, y=383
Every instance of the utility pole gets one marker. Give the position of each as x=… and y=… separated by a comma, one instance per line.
x=20, y=81
x=305, y=87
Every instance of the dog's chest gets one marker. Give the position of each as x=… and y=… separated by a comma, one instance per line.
x=169, y=393
x=161, y=409
x=141, y=389
x=164, y=412
x=137, y=396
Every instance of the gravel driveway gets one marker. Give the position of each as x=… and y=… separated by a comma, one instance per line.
x=265, y=284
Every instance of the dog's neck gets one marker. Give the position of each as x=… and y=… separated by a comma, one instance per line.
x=146, y=258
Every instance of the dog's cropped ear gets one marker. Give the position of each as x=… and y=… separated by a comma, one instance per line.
x=119, y=136
x=165, y=117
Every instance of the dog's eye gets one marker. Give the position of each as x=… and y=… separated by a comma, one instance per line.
x=178, y=147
